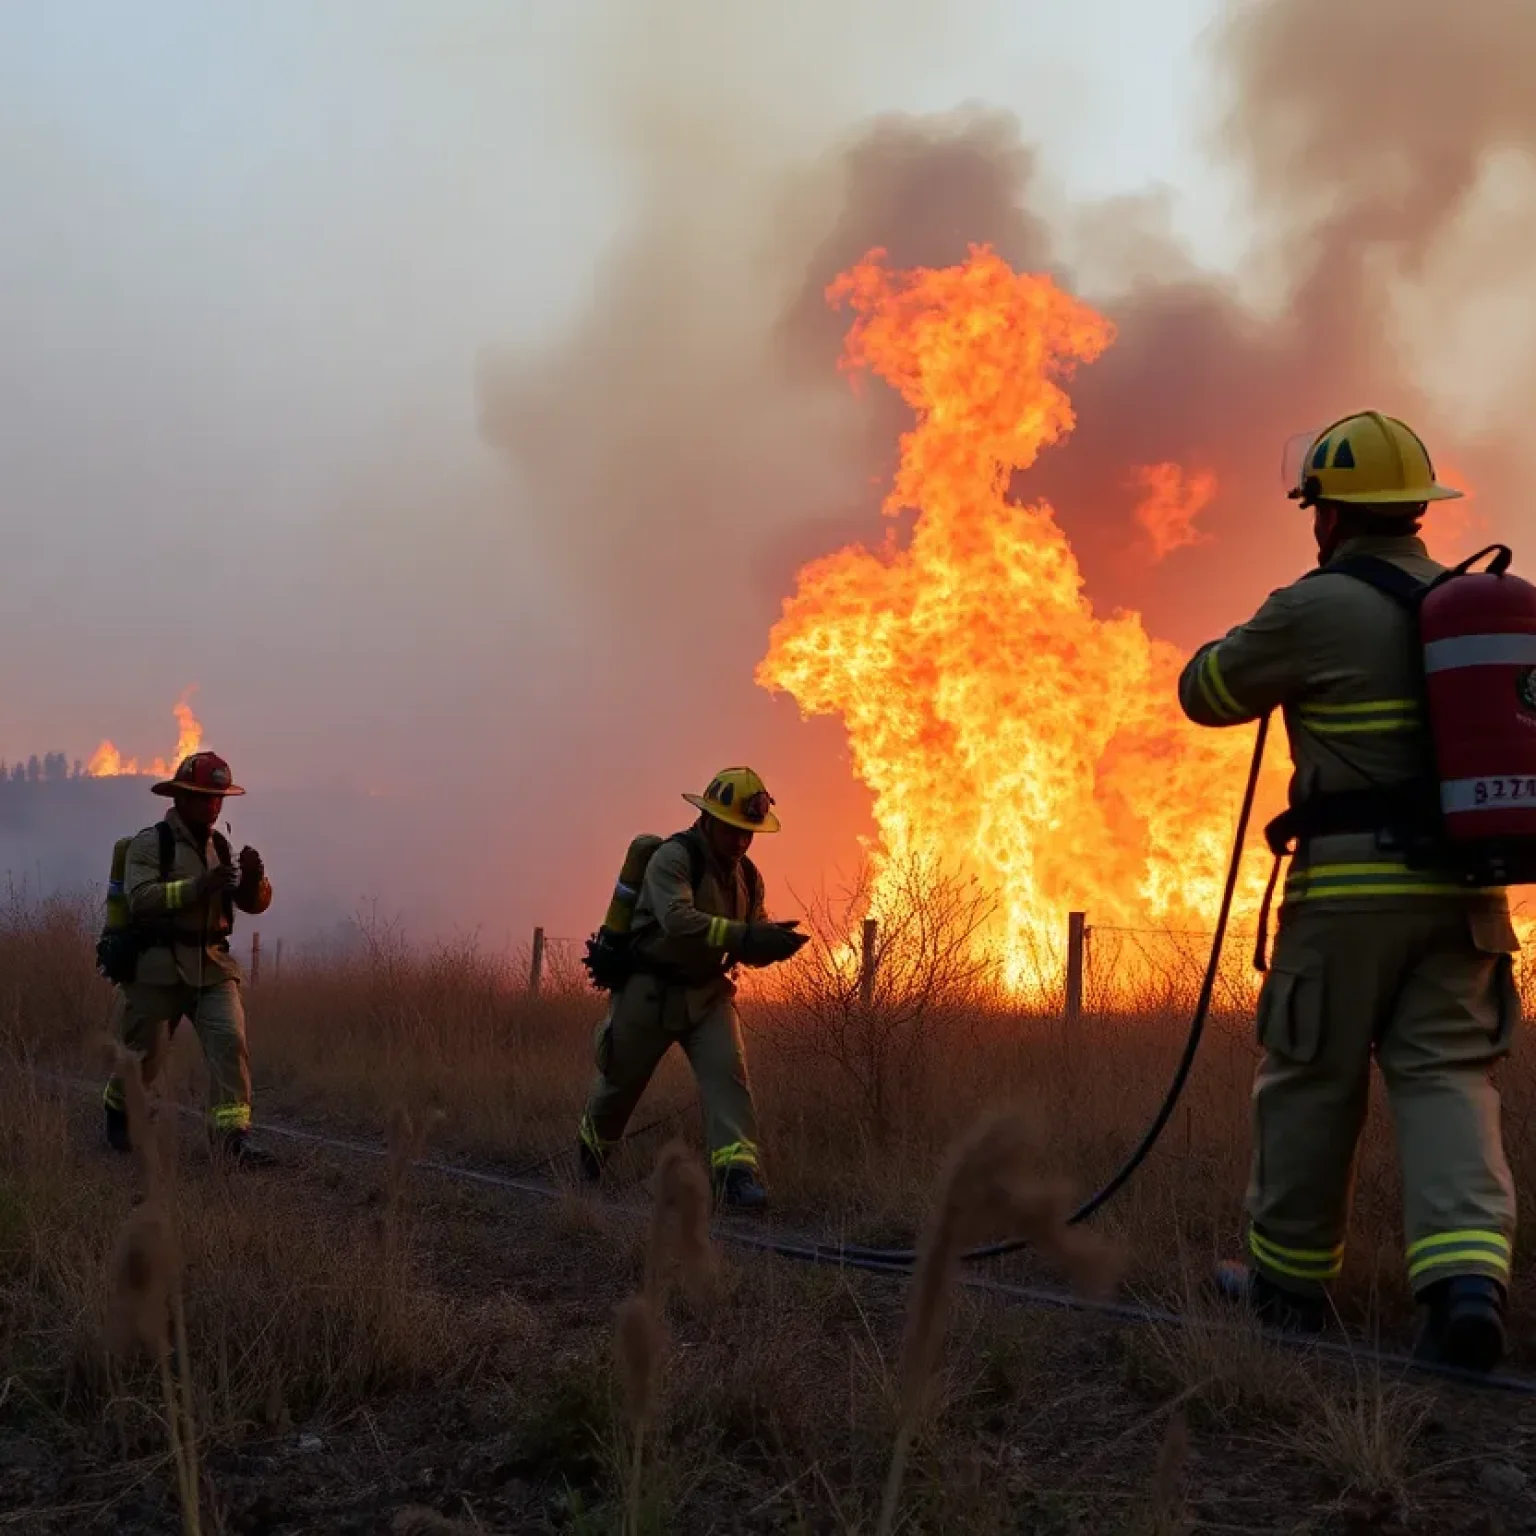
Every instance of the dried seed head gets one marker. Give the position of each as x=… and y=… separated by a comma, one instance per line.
x=141, y=1128
x=990, y=1187
x=407, y=1139
x=142, y=1270
x=679, y=1238
x=639, y=1341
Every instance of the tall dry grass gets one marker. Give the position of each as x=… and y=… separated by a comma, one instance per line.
x=451, y=1031
x=299, y=1313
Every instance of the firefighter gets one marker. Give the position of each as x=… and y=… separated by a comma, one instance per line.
x=699, y=913
x=1371, y=957
x=182, y=889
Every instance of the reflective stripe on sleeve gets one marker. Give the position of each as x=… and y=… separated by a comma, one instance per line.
x=1214, y=690
x=1372, y=717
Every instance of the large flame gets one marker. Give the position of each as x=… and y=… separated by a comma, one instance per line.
x=107, y=762
x=1002, y=726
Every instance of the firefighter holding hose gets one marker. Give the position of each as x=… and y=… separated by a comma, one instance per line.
x=696, y=900
x=170, y=959
x=1375, y=955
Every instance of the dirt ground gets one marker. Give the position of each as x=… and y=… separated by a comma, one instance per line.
x=779, y=1398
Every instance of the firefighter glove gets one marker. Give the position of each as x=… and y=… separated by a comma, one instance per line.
x=251, y=867
x=769, y=943
x=218, y=879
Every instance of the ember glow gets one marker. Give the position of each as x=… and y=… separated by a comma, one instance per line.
x=1003, y=728
x=108, y=763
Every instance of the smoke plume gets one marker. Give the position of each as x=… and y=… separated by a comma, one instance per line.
x=692, y=442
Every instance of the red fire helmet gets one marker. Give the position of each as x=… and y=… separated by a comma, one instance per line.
x=204, y=773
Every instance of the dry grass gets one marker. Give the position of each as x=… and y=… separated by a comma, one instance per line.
x=989, y=1187
x=756, y=1388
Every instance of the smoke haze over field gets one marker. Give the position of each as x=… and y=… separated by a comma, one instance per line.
x=452, y=395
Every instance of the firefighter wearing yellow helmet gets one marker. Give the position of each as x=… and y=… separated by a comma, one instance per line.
x=699, y=913
x=1372, y=957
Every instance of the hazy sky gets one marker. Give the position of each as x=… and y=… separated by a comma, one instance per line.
x=251, y=254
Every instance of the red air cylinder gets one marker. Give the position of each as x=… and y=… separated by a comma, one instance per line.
x=1479, y=635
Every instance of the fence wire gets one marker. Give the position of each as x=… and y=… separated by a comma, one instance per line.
x=1124, y=970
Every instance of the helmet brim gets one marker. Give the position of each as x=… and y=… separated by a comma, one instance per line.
x=170, y=787
x=769, y=823
x=1385, y=498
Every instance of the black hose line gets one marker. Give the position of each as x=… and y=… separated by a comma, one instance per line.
x=746, y=1232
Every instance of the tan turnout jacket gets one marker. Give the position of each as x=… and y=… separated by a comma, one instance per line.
x=693, y=933
x=1338, y=658
x=200, y=953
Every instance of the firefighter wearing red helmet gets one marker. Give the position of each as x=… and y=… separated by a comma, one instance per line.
x=182, y=888
x=1372, y=957
x=699, y=912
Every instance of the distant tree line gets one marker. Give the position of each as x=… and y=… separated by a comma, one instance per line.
x=50, y=768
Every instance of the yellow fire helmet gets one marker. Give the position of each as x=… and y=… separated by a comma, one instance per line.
x=1367, y=460
x=739, y=798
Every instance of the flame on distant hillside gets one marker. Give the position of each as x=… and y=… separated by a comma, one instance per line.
x=108, y=763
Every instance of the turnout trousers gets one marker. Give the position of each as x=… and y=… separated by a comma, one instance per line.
x=643, y=1021
x=146, y=1017
x=1432, y=997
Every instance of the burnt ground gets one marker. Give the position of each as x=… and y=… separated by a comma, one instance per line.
x=779, y=1394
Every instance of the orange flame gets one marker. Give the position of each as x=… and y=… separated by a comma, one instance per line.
x=107, y=762
x=1002, y=727
x=1171, y=501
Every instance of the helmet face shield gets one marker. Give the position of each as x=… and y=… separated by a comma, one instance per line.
x=1293, y=460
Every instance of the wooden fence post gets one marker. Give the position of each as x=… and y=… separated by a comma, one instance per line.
x=255, y=959
x=536, y=970
x=867, y=963
x=277, y=962
x=1075, y=930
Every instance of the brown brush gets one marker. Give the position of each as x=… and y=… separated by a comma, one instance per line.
x=407, y=1140
x=147, y=1306
x=141, y=1125
x=989, y=1185
x=679, y=1240
x=639, y=1346
x=678, y=1244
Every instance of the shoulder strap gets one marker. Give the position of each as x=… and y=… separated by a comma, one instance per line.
x=1391, y=580
x=695, y=851
x=167, y=849
x=695, y=848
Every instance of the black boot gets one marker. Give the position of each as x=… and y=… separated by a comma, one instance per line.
x=1462, y=1323
x=235, y=1149
x=591, y=1163
x=739, y=1188
x=117, y=1129
x=1273, y=1305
